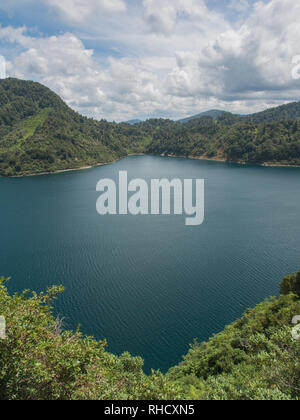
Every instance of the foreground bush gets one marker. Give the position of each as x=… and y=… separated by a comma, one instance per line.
x=39, y=361
x=255, y=358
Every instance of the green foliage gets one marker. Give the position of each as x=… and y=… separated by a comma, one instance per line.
x=291, y=284
x=232, y=138
x=40, y=133
x=254, y=358
x=287, y=112
x=39, y=361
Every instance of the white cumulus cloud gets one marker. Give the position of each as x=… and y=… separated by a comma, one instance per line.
x=81, y=10
x=190, y=59
x=161, y=16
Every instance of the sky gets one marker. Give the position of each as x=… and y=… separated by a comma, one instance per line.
x=127, y=59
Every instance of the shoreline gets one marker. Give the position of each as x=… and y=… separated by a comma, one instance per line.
x=81, y=168
x=224, y=160
x=59, y=171
x=192, y=157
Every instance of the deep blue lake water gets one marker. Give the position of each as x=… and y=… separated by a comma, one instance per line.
x=149, y=284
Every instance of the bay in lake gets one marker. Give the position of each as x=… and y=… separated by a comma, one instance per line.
x=149, y=284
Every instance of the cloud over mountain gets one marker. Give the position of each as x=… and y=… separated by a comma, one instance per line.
x=161, y=58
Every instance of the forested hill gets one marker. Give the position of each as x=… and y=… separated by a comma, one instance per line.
x=40, y=133
x=269, y=137
x=246, y=142
x=281, y=113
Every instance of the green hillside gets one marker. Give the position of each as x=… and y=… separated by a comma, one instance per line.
x=230, y=139
x=286, y=112
x=40, y=133
x=255, y=358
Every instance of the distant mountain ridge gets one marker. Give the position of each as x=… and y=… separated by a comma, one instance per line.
x=213, y=113
x=290, y=111
x=133, y=122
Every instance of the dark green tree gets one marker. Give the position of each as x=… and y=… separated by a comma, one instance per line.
x=290, y=284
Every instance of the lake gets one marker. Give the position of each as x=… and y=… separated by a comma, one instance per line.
x=150, y=284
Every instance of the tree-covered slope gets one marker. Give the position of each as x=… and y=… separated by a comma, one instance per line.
x=268, y=137
x=40, y=133
x=256, y=357
x=288, y=112
x=252, y=359
x=40, y=361
x=232, y=140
